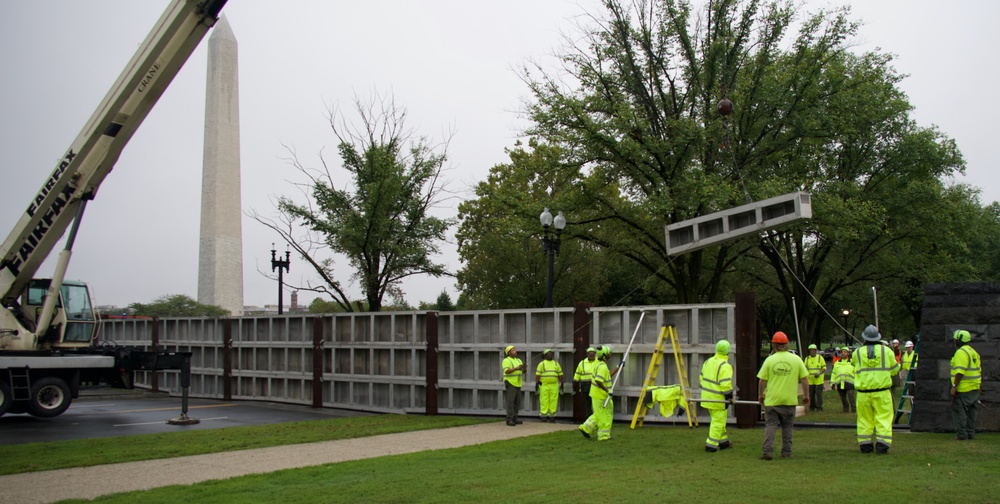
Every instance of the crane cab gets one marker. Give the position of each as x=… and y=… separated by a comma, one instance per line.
x=74, y=322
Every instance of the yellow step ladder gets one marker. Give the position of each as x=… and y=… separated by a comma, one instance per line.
x=666, y=332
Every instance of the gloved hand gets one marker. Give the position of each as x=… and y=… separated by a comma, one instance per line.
x=729, y=398
x=621, y=365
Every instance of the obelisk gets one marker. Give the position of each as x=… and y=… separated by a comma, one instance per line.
x=220, y=263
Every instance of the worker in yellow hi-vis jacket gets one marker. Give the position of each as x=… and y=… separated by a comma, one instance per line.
x=549, y=379
x=717, y=385
x=874, y=367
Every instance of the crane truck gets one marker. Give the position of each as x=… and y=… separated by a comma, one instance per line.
x=48, y=327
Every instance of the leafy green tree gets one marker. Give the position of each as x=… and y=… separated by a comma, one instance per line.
x=646, y=145
x=177, y=305
x=499, y=238
x=443, y=303
x=382, y=221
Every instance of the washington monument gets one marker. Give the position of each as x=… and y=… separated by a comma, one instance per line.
x=220, y=263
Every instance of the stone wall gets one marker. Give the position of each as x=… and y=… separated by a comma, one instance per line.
x=974, y=307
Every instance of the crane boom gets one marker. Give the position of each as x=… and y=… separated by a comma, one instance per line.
x=78, y=174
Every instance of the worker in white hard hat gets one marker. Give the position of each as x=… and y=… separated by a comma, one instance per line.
x=909, y=358
x=717, y=385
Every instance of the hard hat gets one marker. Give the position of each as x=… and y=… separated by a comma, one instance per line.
x=895, y=342
x=506, y=351
x=591, y=349
x=871, y=334
x=722, y=347
x=779, y=337
x=547, y=350
x=962, y=335
x=813, y=347
x=908, y=344
x=604, y=351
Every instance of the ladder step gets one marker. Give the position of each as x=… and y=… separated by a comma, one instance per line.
x=904, y=411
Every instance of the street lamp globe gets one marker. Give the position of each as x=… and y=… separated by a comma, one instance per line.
x=546, y=218
x=560, y=220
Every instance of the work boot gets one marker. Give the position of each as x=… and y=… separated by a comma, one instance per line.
x=585, y=433
x=765, y=457
x=867, y=448
x=710, y=449
x=517, y=422
x=881, y=449
x=510, y=423
x=725, y=445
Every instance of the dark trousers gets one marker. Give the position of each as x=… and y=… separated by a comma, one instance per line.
x=816, y=397
x=511, y=400
x=847, y=397
x=963, y=414
x=585, y=390
x=773, y=417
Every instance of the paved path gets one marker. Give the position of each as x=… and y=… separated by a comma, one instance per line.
x=91, y=482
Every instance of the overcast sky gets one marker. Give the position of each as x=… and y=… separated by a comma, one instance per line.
x=450, y=63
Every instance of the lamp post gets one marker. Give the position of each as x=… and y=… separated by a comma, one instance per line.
x=280, y=265
x=846, y=313
x=551, y=245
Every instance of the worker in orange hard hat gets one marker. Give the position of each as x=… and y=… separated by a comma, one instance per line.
x=780, y=375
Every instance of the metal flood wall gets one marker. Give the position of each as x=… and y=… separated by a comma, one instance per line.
x=377, y=361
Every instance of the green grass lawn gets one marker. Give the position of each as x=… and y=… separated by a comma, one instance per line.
x=649, y=464
x=88, y=452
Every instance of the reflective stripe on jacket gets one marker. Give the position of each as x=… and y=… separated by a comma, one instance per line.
x=843, y=372
x=716, y=381
x=966, y=361
x=816, y=365
x=515, y=378
x=585, y=370
x=601, y=375
x=549, y=371
x=874, y=367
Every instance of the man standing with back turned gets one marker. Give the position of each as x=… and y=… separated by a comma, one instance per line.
x=717, y=385
x=780, y=375
x=966, y=378
x=874, y=367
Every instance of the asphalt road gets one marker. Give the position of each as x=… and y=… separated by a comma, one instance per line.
x=97, y=415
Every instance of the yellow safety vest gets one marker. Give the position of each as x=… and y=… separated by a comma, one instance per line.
x=843, y=372
x=517, y=377
x=549, y=371
x=909, y=361
x=966, y=361
x=601, y=375
x=874, y=366
x=716, y=381
x=816, y=365
x=585, y=370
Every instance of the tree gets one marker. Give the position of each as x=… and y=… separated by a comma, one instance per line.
x=177, y=305
x=382, y=221
x=443, y=303
x=499, y=238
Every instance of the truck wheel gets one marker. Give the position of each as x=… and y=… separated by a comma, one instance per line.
x=5, y=398
x=50, y=397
